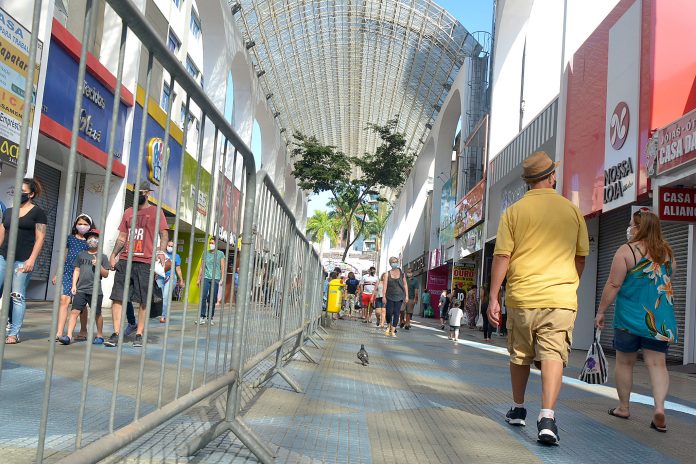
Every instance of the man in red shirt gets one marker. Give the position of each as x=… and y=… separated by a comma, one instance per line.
x=143, y=235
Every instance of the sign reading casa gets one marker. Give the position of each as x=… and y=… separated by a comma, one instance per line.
x=677, y=204
x=676, y=143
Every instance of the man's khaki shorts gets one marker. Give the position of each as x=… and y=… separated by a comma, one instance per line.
x=539, y=334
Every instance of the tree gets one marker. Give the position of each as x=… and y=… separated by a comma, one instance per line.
x=377, y=224
x=322, y=168
x=321, y=224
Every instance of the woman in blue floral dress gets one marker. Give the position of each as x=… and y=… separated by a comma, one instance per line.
x=75, y=244
x=641, y=282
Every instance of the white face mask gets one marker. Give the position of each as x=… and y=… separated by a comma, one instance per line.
x=170, y=249
x=211, y=247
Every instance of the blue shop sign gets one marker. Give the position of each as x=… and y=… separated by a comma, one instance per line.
x=97, y=101
x=153, y=159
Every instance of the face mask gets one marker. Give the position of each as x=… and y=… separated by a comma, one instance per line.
x=409, y=274
x=142, y=199
x=211, y=247
x=629, y=233
x=93, y=243
x=394, y=265
x=170, y=249
x=82, y=229
x=24, y=197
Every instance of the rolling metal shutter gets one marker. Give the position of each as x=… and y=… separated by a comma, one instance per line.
x=677, y=235
x=612, y=234
x=48, y=201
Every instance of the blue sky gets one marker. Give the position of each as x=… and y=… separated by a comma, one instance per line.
x=475, y=15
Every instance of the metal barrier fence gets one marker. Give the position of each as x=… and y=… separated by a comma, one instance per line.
x=278, y=302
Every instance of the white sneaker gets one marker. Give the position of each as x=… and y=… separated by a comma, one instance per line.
x=212, y=322
x=201, y=321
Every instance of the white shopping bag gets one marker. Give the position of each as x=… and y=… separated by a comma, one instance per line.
x=595, y=369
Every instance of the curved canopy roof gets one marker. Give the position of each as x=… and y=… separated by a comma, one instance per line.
x=330, y=67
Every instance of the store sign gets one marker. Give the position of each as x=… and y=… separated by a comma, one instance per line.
x=155, y=160
x=511, y=193
x=14, y=67
x=418, y=264
x=438, y=279
x=470, y=209
x=622, y=104
x=97, y=101
x=677, y=204
x=676, y=143
x=470, y=242
x=463, y=277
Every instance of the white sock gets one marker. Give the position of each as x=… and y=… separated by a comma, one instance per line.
x=545, y=413
x=515, y=405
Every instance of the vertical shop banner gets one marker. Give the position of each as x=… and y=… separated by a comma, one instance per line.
x=189, y=199
x=229, y=209
x=463, y=277
x=447, y=213
x=622, y=110
x=14, y=67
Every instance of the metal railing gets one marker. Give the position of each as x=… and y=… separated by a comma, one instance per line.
x=278, y=301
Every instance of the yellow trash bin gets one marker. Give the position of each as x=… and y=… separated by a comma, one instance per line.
x=334, y=300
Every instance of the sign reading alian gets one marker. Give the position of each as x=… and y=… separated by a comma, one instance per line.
x=677, y=204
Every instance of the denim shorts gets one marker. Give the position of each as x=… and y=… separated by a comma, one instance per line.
x=626, y=342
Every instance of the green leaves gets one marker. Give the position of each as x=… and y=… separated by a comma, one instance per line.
x=318, y=167
x=320, y=224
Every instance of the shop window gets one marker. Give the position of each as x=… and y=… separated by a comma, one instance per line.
x=173, y=43
x=166, y=96
x=195, y=25
x=177, y=3
x=192, y=68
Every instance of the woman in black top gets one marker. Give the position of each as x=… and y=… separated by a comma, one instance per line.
x=30, y=238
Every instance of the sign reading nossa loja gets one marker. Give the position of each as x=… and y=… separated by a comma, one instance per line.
x=677, y=204
x=676, y=143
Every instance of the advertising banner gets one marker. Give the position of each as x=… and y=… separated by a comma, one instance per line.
x=677, y=204
x=622, y=109
x=463, y=277
x=14, y=67
x=229, y=210
x=438, y=279
x=447, y=213
x=470, y=209
x=470, y=242
x=189, y=199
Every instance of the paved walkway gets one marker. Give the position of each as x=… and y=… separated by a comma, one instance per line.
x=421, y=399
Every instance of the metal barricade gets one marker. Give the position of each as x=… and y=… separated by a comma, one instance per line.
x=278, y=302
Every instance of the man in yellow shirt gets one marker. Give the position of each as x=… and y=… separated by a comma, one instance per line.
x=541, y=247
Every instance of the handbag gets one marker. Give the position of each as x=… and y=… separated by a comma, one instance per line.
x=595, y=370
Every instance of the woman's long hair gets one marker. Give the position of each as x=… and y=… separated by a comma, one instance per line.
x=650, y=233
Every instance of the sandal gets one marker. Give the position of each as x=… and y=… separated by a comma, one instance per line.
x=64, y=340
x=11, y=340
x=163, y=320
x=612, y=412
x=654, y=426
x=81, y=338
x=98, y=341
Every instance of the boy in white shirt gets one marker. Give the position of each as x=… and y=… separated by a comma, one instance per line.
x=456, y=315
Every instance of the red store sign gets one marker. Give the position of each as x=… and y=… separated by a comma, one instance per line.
x=676, y=143
x=677, y=204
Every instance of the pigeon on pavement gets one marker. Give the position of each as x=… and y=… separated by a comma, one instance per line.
x=362, y=355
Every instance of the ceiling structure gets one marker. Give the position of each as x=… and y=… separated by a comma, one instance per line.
x=330, y=67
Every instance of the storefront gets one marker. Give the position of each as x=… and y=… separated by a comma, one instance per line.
x=53, y=143
x=438, y=279
x=672, y=163
x=420, y=271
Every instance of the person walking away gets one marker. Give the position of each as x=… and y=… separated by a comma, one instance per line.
x=472, y=306
x=83, y=286
x=413, y=291
x=427, y=309
x=31, y=232
x=455, y=316
x=367, y=290
x=144, y=235
x=211, y=269
x=543, y=256
x=444, y=307
x=351, y=294
x=378, y=302
x=170, y=280
x=640, y=281
x=75, y=243
x=395, y=294
x=487, y=326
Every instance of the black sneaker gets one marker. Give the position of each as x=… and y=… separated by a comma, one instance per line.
x=516, y=416
x=112, y=340
x=138, y=342
x=548, y=432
